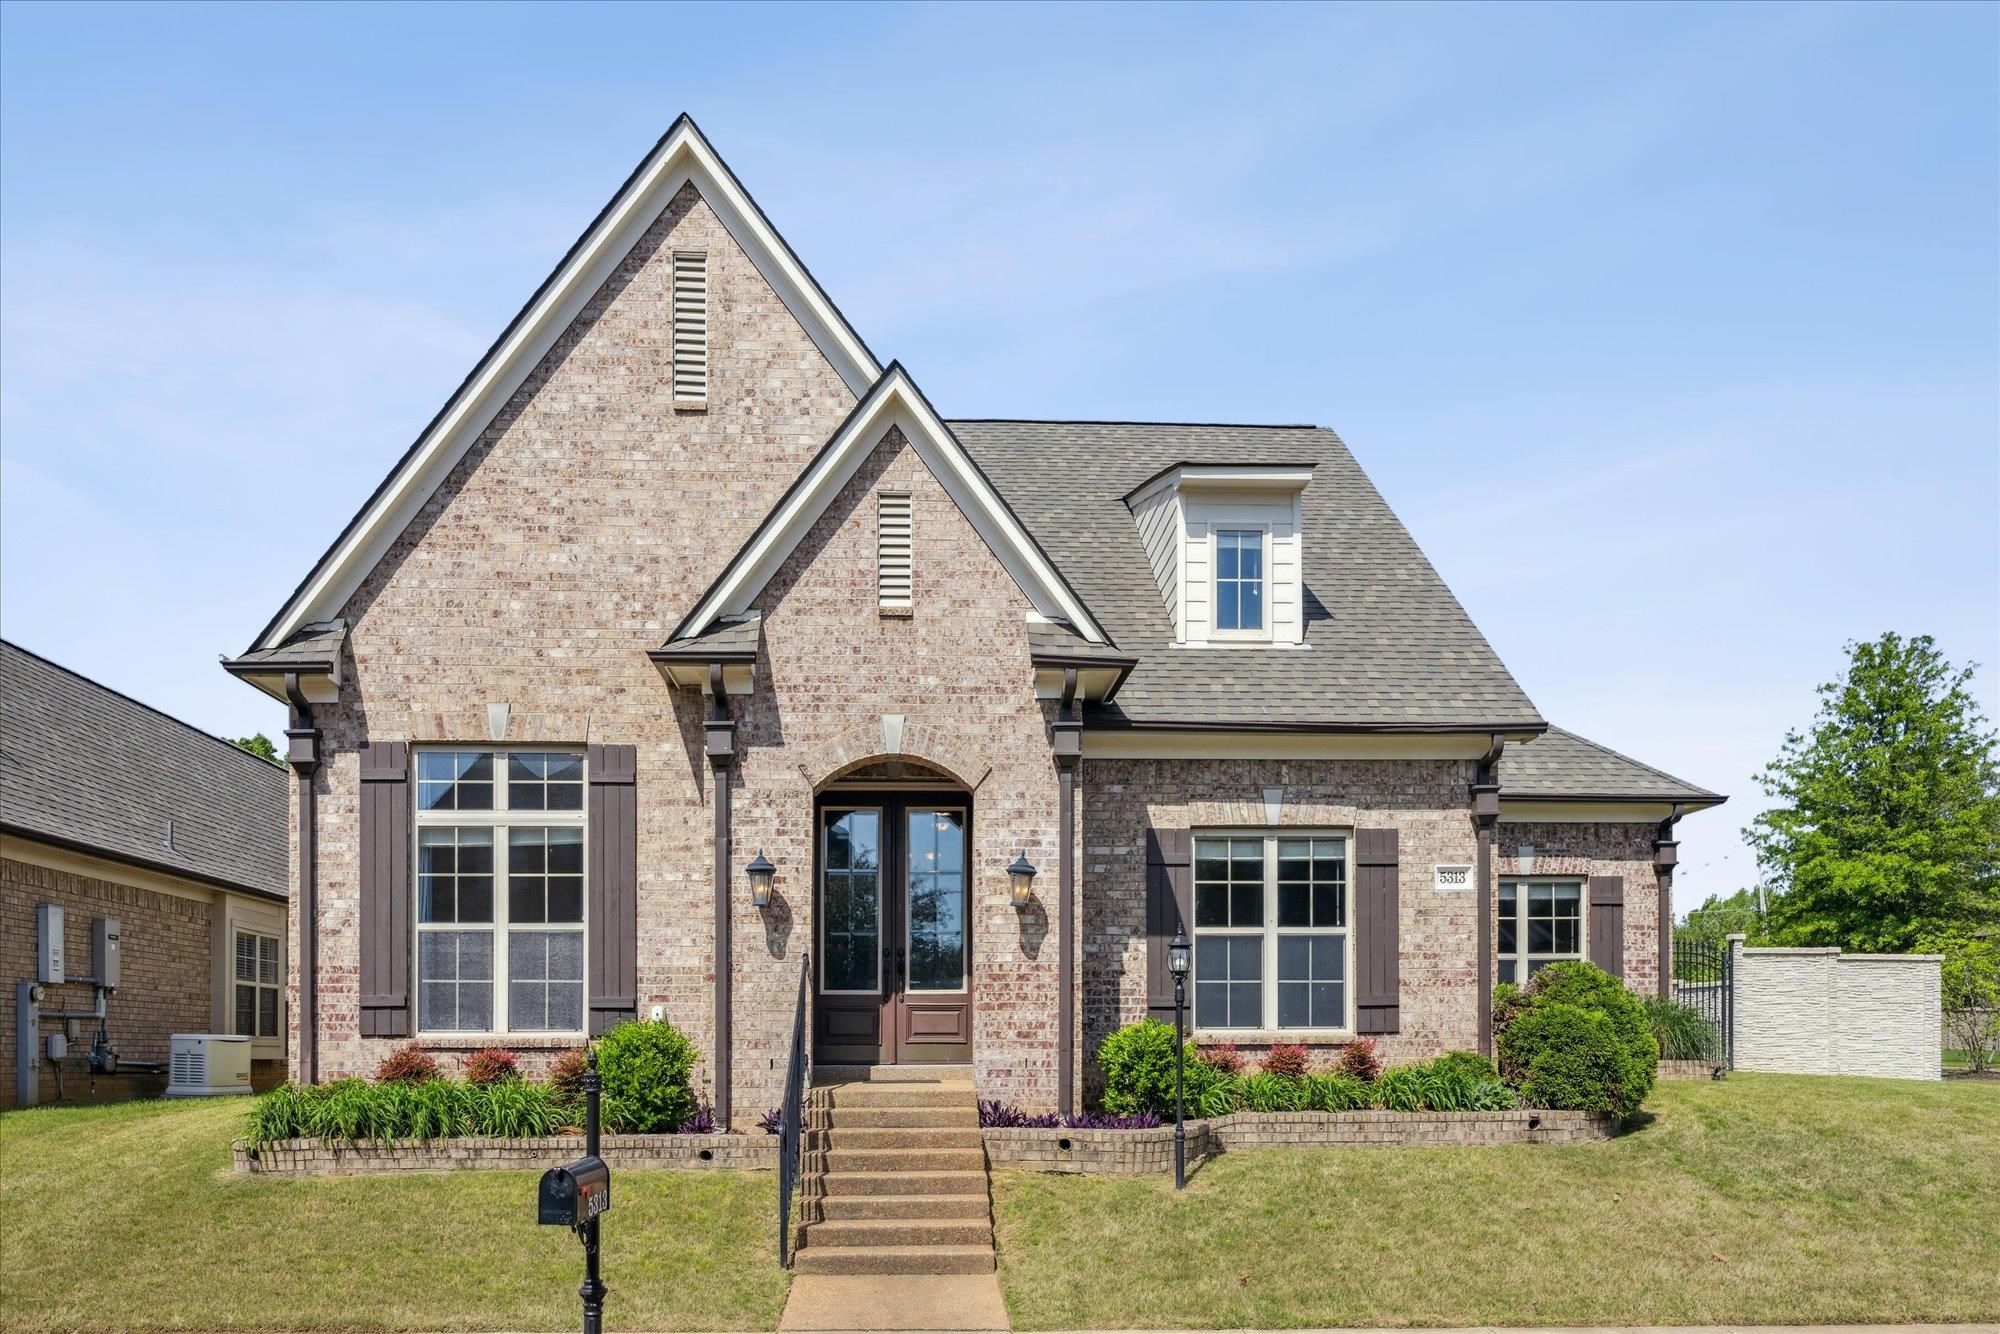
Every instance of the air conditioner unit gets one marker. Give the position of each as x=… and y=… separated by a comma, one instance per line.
x=208, y=1065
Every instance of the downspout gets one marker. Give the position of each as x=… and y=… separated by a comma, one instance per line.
x=1666, y=855
x=1069, y=753
x=721, y=736
x=302, y=736
x=1486, y=814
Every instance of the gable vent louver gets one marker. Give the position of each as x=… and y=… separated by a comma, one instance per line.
x=893, y=551
x=690, y=328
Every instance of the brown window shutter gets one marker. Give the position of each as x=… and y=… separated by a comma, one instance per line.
x=1169, y=908
x=1607, y=923
x=613, y=910
x=1377, y=932
x=385, y=890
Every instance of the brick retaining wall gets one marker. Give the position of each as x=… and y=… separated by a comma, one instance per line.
x=1144, y=1152
x=315, y=1158
x=1691, y=1070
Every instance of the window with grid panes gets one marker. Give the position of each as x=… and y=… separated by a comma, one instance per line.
x=1271, y=932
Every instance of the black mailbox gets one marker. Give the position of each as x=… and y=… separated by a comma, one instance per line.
x=575, y=1194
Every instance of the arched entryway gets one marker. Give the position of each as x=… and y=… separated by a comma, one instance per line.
x=892, y=914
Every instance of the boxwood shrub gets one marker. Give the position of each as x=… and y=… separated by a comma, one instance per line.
x=1575, y=1038
x=645, y=1065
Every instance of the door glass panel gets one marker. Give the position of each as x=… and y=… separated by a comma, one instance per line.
x=937, y=900
x=852, y=909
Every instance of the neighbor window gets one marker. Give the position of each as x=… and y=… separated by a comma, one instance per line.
x=500, y=891
x=1541, y=921
x=1239, y=579
x=1270, y=931
x=256, y=985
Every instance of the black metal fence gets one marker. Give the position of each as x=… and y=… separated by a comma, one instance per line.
x=1705, y=981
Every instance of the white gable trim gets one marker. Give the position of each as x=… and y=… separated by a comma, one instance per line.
x=894, y=401
x=682, y=156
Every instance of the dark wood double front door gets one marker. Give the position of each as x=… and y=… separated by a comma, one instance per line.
x=892, y=904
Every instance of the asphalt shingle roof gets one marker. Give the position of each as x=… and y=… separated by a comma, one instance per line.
x=736, y=635
x=85, y=765
x=1563, y=764
x=1387, y=645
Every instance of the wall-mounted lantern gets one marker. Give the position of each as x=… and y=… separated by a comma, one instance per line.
x=761, y=873
x=1022, y=877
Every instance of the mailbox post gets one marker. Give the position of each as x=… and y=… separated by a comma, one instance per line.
x=575, y=1196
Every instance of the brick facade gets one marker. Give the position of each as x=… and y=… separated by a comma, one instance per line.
x=1598, y=849
x=1426, y=801
x=592, y=514
x=166, y=972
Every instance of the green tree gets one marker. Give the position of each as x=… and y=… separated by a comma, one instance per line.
x=1718, y=918
x=1970, y=992
x=1885, y=824
x=260, y=746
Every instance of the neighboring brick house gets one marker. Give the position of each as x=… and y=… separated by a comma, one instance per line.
x=110, y=809
x=683, y=577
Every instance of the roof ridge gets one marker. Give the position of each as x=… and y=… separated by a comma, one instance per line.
x=1122, y=421
x=140, y=703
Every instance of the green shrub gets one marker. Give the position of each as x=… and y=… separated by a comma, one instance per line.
x=1492, y=1095
x=1268, y=1091
x=1575, y=1038
x=1138, y=1065
x=1335, y=1093
x=438, y=1109
x=1683, y=1032
x=645, y=1067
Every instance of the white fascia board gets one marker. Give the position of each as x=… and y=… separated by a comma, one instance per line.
x=1584, y=812
x=684, y=156
x=893, y=402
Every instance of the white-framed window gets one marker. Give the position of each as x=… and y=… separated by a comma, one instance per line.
x=500, y=838
x=257, y=985
x=1541, y=921
x=1272, y=944
x=1240, y=601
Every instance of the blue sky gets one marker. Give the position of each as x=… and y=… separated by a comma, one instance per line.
x=1672, y=332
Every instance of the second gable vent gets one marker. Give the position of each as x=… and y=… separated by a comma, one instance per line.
x=893, y=551
x=690, y=328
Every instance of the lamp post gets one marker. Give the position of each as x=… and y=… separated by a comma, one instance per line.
x=1180, y=956
x=593, y=1290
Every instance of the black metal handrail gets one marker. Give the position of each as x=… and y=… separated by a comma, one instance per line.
x=791, y=1116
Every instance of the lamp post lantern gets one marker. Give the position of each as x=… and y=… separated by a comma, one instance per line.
x=1180, y=956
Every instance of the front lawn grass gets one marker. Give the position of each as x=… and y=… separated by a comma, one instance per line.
x=128, y=1216
x=1761, y=1199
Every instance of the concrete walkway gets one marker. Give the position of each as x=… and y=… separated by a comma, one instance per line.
x=823, y=1303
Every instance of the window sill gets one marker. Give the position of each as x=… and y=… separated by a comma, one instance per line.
x=1264, y=1037
x=517, y=1041
x=690, y=405
x=897, y=613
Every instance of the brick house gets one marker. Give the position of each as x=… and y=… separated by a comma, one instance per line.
x=683, y=577
x=112, y=810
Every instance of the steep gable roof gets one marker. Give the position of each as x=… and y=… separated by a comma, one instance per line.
x=682, y=155
x=88, y=768
x=894, y=401
x=1387, y=647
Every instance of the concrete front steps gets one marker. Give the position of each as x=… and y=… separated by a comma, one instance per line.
x=895, y=1174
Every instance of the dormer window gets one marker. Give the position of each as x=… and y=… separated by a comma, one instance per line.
x=1226, y=546
x=1239, y=580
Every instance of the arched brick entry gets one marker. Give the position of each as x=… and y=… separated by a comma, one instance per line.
x=894, y=737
